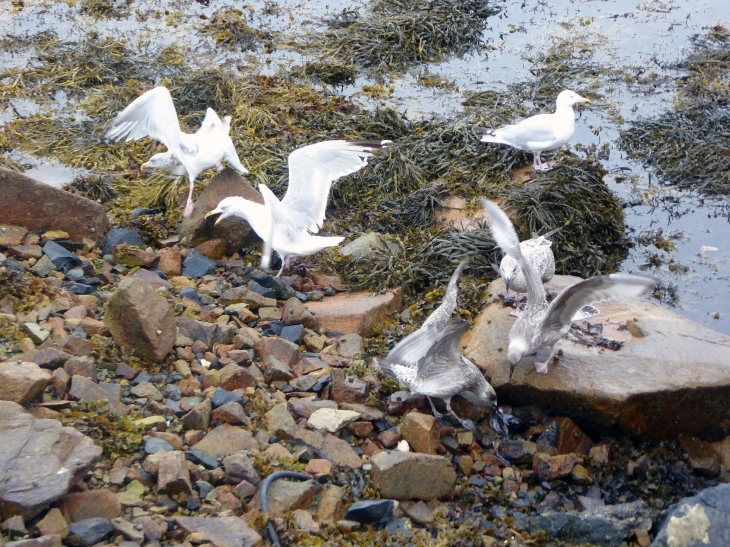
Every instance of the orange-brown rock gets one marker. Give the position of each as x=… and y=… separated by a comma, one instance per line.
x=170, y=261
x=421, y=431
x=38, y=207
x=675, y=378
x=90, y=504
x=358, y=312
x=554, y=467
x=214, y=249
x=571, y=439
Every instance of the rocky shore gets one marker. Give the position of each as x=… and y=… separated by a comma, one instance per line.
x=148, y=388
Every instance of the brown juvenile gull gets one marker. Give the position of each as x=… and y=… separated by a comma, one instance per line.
x=541, y=325
x=153, y=114
x=429, y=363
x=538, y=252
x=539, y=133
x=287, y=226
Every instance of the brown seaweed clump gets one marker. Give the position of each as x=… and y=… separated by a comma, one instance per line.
x=688, y=146
x=230, y=26
x=117, y=435
x=396, y=34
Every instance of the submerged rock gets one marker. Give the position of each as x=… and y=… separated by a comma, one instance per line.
x=39, y=207
x=670, y=376
x=39, y=460
x=698, y=521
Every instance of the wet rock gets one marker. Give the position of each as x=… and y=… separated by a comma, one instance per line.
x=295, y=313
x=196, y=265
x=233, y=230
x=421, y=431
x=173, y=477
x=86, y=391
x=605, y=388
x=606, y=526
x=62, y=259
x=703, y=458
x=227, y=439
x=699, y=520
x=39, y=207
x=332, y=420
x=139, y=317
x=405, y=475
x=358, y=312
x=89, y=531
x=22, y=383
x=119, y=236
x=348, y=389
x=90, y=504
x=220, y=531
x=554, y=467
x=371, y=512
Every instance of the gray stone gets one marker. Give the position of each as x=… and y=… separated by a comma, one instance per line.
x=332, y=420
x=371, y=512
x=43, y=267
x=240, y=467
x=698, y=521
x=196, y=265
x=39, y=460
x=221, y=531
x=117, y=236
x=364, y=246
x=89, y=531
x=405, y=475
x=670, y=376
x=50, y=540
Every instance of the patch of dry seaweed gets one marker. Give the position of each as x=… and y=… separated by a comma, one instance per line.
x=230, y=26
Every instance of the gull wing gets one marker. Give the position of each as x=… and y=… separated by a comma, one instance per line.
x=281, y=223
x=596, y=289
x=448, y=304
x=313, y=169
x=442, y=366
x=504, y=234
x=540, y=128
x=210, y=122
x=153, y=115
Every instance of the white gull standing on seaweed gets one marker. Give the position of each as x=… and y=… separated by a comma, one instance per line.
x=287, y=226
x=153, y=114
x=539, y=133
x=541, y=325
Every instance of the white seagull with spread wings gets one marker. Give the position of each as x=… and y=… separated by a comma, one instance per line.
x=153, y=115
x=287, y=226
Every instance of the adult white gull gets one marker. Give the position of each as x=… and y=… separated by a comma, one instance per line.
x=539, y=133
x=541, y=325
x=153, y=115
x=287, y=226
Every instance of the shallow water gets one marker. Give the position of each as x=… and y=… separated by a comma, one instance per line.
x=644, y=37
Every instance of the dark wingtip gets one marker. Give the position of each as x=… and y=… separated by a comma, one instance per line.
x=511, y=371
x=376, y=147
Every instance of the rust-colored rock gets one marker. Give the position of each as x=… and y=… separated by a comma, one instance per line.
x=554, y=467
x=173, y=477
x=405, y=475
x=170, y=261
x=214, y=249
x=676, y=378
x=571, y=439
x=348, y=389
x=233, y=230
x=358, y=312
x=421, y=431
x=90, y=504
x=22, y=383
x=38, y=207
x=285, y=351
x=703, y=458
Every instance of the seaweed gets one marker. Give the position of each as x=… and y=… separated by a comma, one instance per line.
x=396, y=34
x=687, y=147
x=230, y=26
x=116, y=435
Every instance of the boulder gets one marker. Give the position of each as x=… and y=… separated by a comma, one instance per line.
x=670, y=376
x=39, y=461
x=22, y=383
x=698, y=521
x=233, y=230
x=139, y=317
x=405, y=475
x=357, y=312
x=38, y=207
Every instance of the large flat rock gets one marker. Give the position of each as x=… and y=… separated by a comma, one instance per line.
x=356, y=312
x=233, y=230
x=39, y=207
x=670, y=376
x=39, y=461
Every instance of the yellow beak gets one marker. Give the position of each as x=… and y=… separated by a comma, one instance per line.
x=584, y=100
x=211, y=213
x=145, y=165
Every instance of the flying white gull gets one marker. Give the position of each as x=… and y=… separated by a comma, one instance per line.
x=541, y=132
x=538, y=252
x=287, y=226
x=153, y=114
x=541, y=325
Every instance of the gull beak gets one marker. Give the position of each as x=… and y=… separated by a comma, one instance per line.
x=214, y=212
x=506, y=284
x=584, y=100
x=145, y=165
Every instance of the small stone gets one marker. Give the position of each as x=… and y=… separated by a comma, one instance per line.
x=600, y=455
x=130, y=531
x=304, y=522
x=21, y=382
x=200, y=457
x=328, y=419
x=347, y=526
x=146, y=390
x=331, y=506
x=417, y=511
x=579, y=475
x=196, y=265
x=284, y=351
x=221, y=531
x=89, y=505
x=53, y=523
x=154, y=445
x=319, y=468
x=421, y=431
x=295, y=313
x=702, y=456
x=227, y=439
x=275, y=370
x=407, y=475
x=554, y=467
x=89, y=531
x=37, y=333
x=348, y=389
x=173, y=477
x=231, y=413
x=371, y=512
